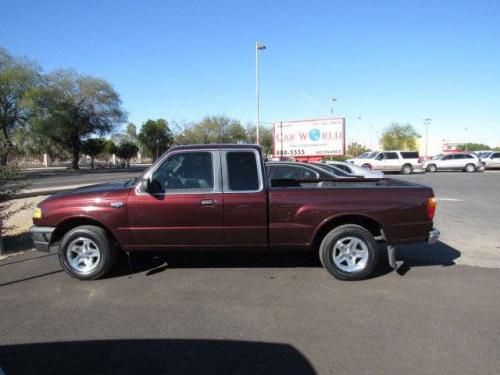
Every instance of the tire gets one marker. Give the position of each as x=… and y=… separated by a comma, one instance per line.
x=470, y=168
x=86, y=253
x=351, y=265
x=406, y=169
x=431, y=168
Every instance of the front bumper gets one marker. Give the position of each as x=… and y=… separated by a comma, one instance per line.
x=41, y=237
x=433, y=236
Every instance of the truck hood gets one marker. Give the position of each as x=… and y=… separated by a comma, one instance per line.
x=99, y=190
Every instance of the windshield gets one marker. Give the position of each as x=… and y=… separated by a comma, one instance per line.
x=439, y=157
x=367, y=155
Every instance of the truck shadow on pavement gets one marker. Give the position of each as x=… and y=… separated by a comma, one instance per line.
x=408, y=256
x=421, y=255
x=154, y=356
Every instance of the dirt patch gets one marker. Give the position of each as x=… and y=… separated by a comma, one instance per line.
x=17, y=239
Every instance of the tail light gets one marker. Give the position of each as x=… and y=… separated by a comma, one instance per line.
x=431, y=207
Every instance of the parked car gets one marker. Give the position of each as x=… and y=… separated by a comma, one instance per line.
x=463, y=161
x=355, y=170
x=392, y=161
x=334, y=170
x=491, y=159
x=364, y=155
x=483, y=154
x=209, y=196
x=296, y=170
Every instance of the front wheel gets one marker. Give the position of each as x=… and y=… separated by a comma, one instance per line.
x=431, y=168
x=349, y=252
x=86, y=253
x=406, y=169
x=469, y=168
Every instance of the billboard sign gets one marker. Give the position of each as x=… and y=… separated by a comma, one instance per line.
x=309, y=138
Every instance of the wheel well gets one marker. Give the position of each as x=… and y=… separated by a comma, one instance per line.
x=369, y=224
x=69, y=224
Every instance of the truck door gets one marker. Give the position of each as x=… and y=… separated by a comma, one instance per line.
x=184, y=207
x=245, y=198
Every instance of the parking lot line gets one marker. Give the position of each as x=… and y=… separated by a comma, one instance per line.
x=449, y=199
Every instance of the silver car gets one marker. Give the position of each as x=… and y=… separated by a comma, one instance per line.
x=463, y=161
x=355, y=170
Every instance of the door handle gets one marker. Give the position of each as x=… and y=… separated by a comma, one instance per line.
x=207, y=202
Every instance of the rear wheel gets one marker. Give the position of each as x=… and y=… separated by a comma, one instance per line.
x=469, y=168
x=406, y=169
x=86, y=253
x=431, y=168
x=349, y=252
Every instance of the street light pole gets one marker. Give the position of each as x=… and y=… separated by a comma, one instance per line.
x=258, y=47
x=333, y=102
x=427, y=122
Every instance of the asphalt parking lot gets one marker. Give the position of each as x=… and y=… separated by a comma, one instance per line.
x=250, y=312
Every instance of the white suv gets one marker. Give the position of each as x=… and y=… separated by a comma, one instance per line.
x=467, y=162
x=391, y=161
x=490, y=159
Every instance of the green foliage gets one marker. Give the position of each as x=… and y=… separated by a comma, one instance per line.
x=473, y=147
x=129, y=135
x=355, y=149
x=212, y=129
x=127, y=151
x=399, y=137
x=93, y=147
x=70, y=107
x=266, y=138
x=18, y=78
x=155, y=137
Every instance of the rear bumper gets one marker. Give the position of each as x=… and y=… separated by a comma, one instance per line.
x=433, y=236
x=41, y=237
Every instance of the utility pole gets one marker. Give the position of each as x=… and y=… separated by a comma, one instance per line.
x=281, y=138
x=333, y=102
x=466, y=145
x=427, y=122
x=258, y=47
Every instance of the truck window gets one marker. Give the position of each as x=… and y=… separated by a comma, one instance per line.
x=391, y=155
x=242, y=171
x=186, y=171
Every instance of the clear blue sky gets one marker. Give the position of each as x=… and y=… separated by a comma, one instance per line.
x=384, y=60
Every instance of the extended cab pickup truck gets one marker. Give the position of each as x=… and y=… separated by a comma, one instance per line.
x=218, y=196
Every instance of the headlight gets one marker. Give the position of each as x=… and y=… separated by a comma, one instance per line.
x=37, y=214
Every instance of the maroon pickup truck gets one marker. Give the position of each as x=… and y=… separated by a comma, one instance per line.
x=218, y=196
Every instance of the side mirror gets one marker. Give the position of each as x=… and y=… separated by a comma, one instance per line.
x=146, y=185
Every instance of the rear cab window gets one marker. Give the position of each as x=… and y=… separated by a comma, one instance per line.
x=242, y=173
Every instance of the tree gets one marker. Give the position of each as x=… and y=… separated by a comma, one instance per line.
x=155, y=137
x=212, y=129
x=70, y=107
x=127, y=151
x=129, y=135
x=473, y=147
x=399, y=137
x=93, y=147
x=266, y=138
x=355, y=149
x=18, y=77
